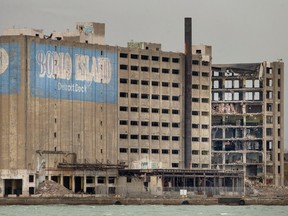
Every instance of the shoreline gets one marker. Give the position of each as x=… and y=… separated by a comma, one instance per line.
x=139, y=201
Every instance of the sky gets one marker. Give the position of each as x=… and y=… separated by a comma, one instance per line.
x=239, y=31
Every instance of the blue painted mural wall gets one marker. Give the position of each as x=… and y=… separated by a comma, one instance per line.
x=10, y=68
x=72, y=73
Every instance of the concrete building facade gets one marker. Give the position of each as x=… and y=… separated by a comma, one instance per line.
x=77, y=111
x=247, y=120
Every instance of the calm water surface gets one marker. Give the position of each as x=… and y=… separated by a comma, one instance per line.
x=157, y=210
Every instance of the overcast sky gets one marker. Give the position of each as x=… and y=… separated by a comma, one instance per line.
x=239, y=31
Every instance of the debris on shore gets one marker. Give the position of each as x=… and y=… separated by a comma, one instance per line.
x=50, y=188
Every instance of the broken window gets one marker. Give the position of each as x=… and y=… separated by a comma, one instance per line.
x=101, y=180
x=228, y=83
x=236, y=84
x=216, y=84
x=248, y=95
x=269, y=82
x=269, y=94
x=249, y=84
x=227, y=96
x=215, y=73
x=216, y=96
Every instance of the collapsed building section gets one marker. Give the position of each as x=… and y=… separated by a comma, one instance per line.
x=246, y=120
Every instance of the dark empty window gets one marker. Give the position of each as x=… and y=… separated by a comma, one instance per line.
x=175, y=138
x=123, y=122
x=134, y=95
x=144, y=137
x=175, y=98
x=134, y=82
x=175, y=60
x=165, y=137
x=155, y=137
x=155, y=124
x=195, y=126
x=155, y=70
x=155, y=110
x=144, y=109
x=134, y=109
x=123, y=55
x=175, y=111
x=123, y=67
x=144, y=150
x=175, y=85
x=122, y=108
x=165, y=70
x=165, y=111
x=195, y=139
x=195, y=86
x=124, y=94
x=174, y=151
x=195, y=73
x=155, y=151
x=144, y=123
x=175, y=71
x=165, y=59
x=155, y=83
x=144, y=96
x=144, y=57
x=134, y=150
x=144, y=82
x=155, y=58
x=195, y=99
x=165, y=84
x=175, y=165
x=133, y=122
x=195, y=62
x=205, y=74
x=204, y=139
x=155, y=97
x=165, y=124
x=205, y=100
x=145, y=69
x=165, y=97
x=133, y=136
x=123, y=80
x=123, y=136
x=165, y=151
x=134, y=56
x=123, y=150
x=175, y=125
x=205, y=63
x=134, y=68
x=195, y=113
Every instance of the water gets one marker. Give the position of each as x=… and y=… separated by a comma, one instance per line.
x=139, y=210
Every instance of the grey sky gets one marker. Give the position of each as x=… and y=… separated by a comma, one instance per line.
x=239, y=31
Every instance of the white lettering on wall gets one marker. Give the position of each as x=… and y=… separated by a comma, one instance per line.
x=55, y=65
x=100, y=71
x=4, y=60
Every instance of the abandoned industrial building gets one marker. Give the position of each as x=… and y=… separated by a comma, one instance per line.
x=103, y=119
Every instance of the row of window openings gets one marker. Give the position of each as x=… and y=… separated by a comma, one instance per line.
x=146, y=110
x=197, y=62
x=197, y=73
x=203, y=113
x=147, y=137
x=227, y=73
x=203, y=100
x=146, y=96
x=156, y=137
x=146, y=57
x=228, y=96
x=269, y=108
x=157, y=124
x=246, y=83
x=157, y=151
x=148, y=69
x=146, y=123
x=146, y=151
x=204, y=87
x=153, y=83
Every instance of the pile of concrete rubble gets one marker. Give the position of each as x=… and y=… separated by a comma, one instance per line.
x=49, y=188
x=259, y=189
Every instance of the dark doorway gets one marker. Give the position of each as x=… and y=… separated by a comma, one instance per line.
x=13, y=186
x=67, y=182
x=78, y=184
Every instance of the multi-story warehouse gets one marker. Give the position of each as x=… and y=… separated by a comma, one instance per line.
x=78, y=112
x=247, y=120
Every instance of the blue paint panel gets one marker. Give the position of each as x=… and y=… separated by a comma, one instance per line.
x=10, y=68
x=71, y=73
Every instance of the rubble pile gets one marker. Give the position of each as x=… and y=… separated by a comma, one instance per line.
x=269, y=191
x=50, y=188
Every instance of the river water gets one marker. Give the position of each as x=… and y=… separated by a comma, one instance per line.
x=140, y=210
